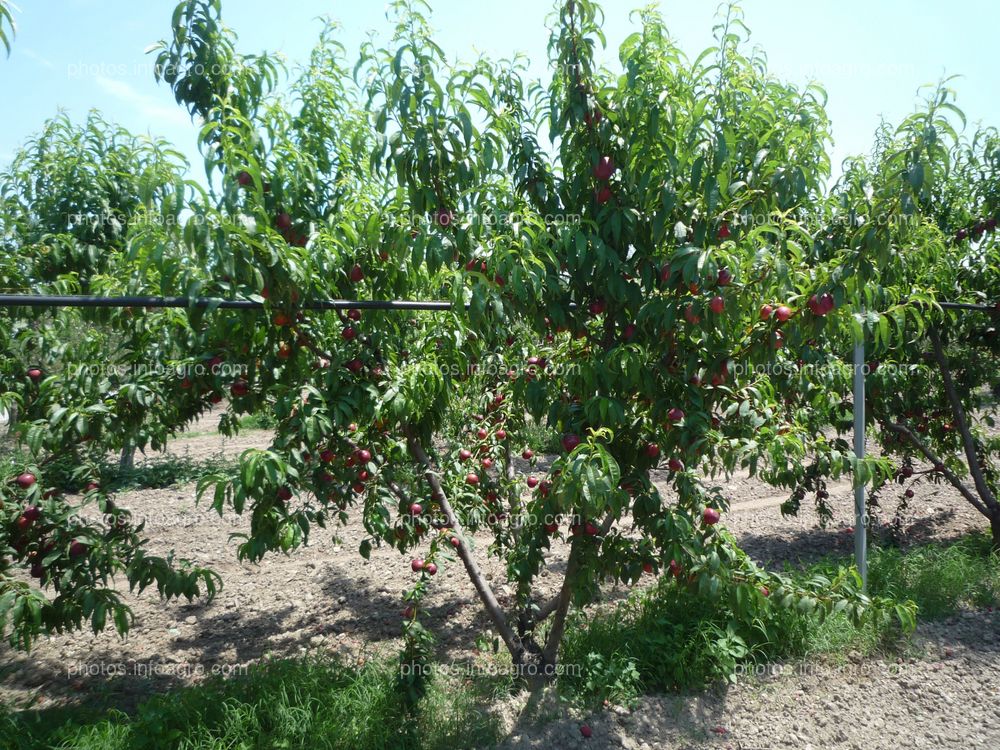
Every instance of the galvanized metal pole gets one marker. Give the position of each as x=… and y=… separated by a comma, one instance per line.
x=860, y=514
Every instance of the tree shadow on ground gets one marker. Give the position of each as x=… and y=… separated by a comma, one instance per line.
x=805, y=546
x=100, y=681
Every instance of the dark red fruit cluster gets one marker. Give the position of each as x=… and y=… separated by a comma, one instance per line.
x=977, y=230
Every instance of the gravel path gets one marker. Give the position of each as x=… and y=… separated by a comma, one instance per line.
x=326, y=597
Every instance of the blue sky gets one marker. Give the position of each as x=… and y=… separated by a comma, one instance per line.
x=870, y=55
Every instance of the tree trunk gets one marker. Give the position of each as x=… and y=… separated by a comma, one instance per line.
x=127, y=460
x=10, y=419
x=550, y=653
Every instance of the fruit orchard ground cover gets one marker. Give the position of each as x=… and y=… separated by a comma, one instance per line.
x=877, y=704
x=326, y=598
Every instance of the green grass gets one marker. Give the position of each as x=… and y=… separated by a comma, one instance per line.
x=162, y=471
x=667, y=638
x=308, y=703
x=940, y=578
x=541, y=438
x=263, y=420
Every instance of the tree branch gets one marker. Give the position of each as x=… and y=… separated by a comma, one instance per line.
x=929, y=455
x=517, y=519
x=478, y=580
x=963, y=425
x=562, y=601
x=551, y=650
x=508, y=462
x=547, y=609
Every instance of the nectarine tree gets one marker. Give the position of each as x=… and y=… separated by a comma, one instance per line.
x=75, y=204
x=603, y=258
x=906, y=229
x=606, y=278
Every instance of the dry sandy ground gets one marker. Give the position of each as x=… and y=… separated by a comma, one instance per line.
x=327, y=597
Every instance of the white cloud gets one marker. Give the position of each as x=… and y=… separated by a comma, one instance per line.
x=144, y=104
x=43, y=61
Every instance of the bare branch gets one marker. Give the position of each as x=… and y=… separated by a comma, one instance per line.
x=562, y=601
x=963, y=424
x=957, y=483
x=478, y=580
x=551, y=650
x=547, y=609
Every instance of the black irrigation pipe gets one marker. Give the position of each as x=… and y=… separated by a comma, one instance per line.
x=993, y=309
x=69, y=300
x=65, y=300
